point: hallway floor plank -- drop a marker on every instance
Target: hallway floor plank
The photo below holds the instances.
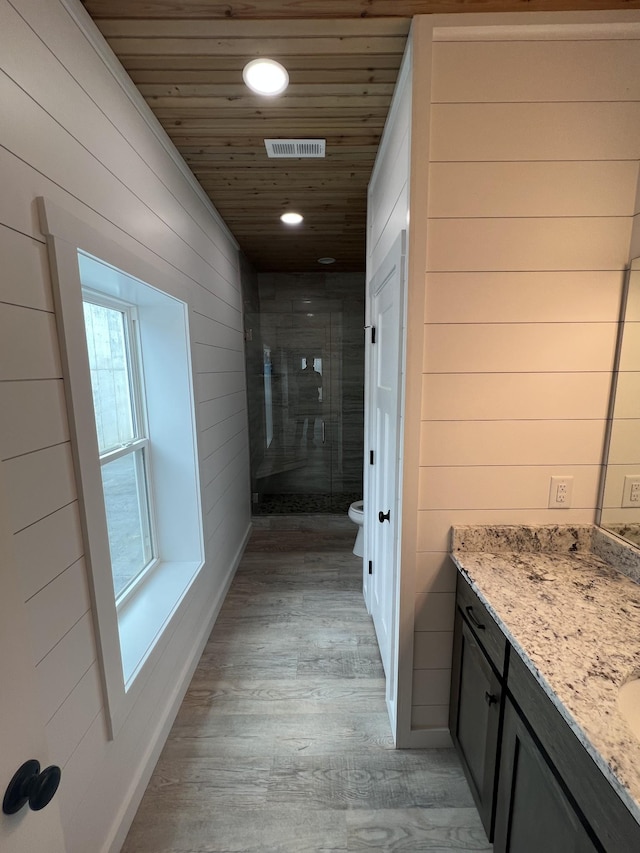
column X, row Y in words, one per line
column 282, row 743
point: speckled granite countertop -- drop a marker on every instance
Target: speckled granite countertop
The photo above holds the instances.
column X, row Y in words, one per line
column 574, row 620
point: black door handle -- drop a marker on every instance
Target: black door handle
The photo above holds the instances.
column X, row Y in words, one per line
column 382, row 517
column 31, row 786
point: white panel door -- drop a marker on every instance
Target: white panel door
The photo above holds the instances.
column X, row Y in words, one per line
column 384, row 424
column 21, row 727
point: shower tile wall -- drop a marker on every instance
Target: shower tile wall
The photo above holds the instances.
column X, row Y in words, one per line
column 253, row 363
column 317, row 317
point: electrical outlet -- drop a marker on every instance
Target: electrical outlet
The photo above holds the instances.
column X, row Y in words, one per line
column 631, row 491
column 560, row 492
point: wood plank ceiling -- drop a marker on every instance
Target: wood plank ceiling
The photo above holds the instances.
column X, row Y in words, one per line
column 186, row 57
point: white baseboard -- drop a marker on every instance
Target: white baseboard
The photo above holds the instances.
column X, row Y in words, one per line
column 124, row 818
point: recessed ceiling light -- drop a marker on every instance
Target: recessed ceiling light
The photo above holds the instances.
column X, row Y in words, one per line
column 291, row 218
column 326, row 260
column 265, row 76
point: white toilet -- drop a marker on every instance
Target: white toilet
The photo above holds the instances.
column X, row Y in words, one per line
column 356, row 514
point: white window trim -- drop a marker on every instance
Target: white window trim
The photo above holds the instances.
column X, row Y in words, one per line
column 126, row 651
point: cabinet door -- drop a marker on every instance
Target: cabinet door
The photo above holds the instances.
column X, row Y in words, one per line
column 533, row 813
column 475, row 717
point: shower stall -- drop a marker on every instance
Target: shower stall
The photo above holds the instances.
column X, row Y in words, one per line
column 305, row 383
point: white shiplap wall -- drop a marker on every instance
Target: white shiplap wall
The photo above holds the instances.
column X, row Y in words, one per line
column 534, row 150
column 69, row 132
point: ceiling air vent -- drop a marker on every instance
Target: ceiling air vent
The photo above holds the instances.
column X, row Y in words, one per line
column 295, row 148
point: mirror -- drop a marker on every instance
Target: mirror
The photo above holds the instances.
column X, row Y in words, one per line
column 620, row 493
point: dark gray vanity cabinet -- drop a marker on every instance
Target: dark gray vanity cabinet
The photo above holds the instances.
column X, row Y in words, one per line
column 536, row 787
column 591, row 813
column 533, row 812
column 477, row 698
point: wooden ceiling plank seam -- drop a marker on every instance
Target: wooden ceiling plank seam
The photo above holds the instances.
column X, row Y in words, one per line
column 291, row 167
column 207, row 169
column 243, row 127
column 216, row 145
column 248, row 102
column 258, row 158
column 280, row 128
column 250, row 48
column 273, row 210
column 335, row 125
column 206, row 164
column 337, row 234
column 261, row 122
column 328, row 237
column 256, row 220
column 337, row 128
column 268, row 251
column 320, row 203
column 333, row 236
column 278, row 197
column 355, row 135
column 233, row 90
column 230, row 77
column 218, row 193
column 276, row 178
column 253, row 220
column 234, row 136
column 228, row 206
column 272, row 239
column 338, row 9
column 316, row 181
column 327, row 245
column 186, row 27
column 328, row 210
column 269, row 171
column 293, row 62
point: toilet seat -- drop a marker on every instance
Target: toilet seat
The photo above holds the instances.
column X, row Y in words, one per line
column 356, row 512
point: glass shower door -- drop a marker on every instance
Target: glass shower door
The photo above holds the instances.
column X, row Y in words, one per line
column 306, row 406
column 296, row 473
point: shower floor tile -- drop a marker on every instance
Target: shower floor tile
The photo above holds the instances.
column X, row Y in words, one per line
column 305, row 503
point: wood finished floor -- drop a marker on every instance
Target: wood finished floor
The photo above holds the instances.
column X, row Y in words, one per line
column 282, row 744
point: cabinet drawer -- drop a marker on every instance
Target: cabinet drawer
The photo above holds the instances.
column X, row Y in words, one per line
column 482, row 624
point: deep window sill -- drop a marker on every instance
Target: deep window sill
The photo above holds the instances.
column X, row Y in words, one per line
column 145, row 615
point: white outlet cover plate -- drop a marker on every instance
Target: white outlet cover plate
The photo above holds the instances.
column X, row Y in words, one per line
column 557, row 482
column 628, row 493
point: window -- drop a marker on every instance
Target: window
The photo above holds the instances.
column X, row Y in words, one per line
column 124, row 335
column 117, row 384
column 141, row 388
